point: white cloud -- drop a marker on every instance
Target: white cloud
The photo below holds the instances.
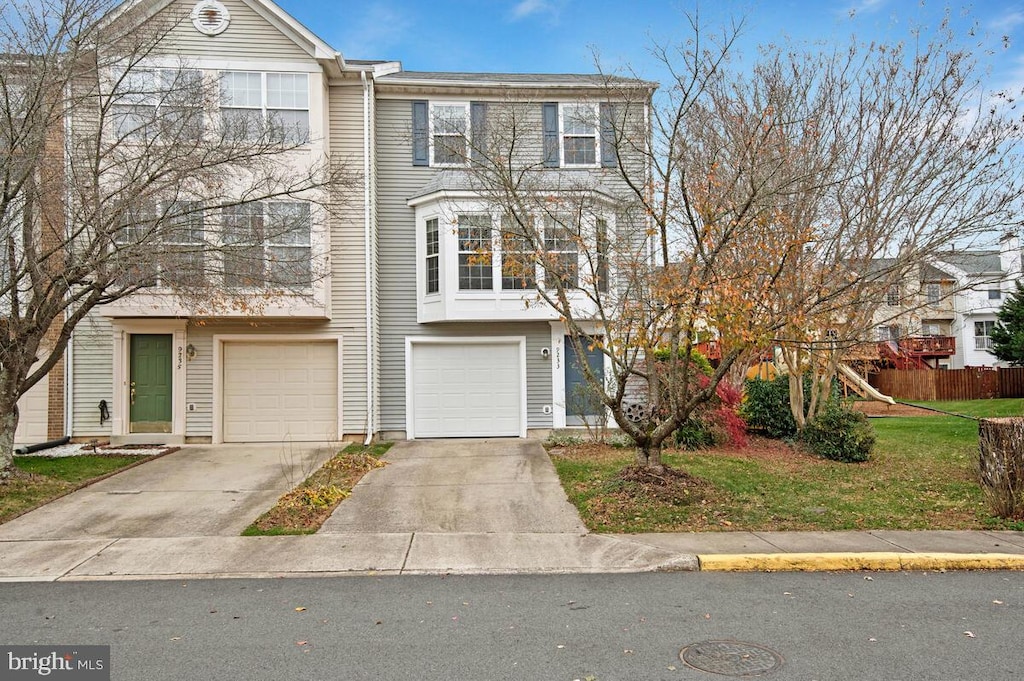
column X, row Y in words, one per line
column 1006, row 22
column 525, row 9
column 377, row 29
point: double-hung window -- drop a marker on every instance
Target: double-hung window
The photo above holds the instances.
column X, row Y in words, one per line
column 518, row 268
column 288, row 242
column 892, row 295
column 934, row 293
column 562, row 257
column 983, row 335
column 184, row 245
column 579, row 134
column 995, row 294
column 433, row 272
column 267, row 242
column 158, row 104
column 449, row 142
column 475, row 253
column 254, row 104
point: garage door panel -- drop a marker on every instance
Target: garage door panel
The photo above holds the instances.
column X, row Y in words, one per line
column 280, row 391
column 466, row 389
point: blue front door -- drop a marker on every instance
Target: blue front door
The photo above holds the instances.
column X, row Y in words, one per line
column 581, row 404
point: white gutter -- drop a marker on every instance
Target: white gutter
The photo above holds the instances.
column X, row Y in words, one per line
column 367, row 259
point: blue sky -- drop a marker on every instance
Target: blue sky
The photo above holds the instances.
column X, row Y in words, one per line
column 561, row 36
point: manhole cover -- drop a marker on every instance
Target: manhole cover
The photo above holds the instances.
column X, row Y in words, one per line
column 731, row 658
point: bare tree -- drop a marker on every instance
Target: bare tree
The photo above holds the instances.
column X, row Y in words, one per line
column 125, row 172
column 753, row 204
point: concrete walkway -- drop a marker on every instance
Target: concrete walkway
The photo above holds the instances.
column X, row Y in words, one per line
column 471, row 511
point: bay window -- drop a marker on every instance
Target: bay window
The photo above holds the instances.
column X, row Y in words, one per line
column 475, row 252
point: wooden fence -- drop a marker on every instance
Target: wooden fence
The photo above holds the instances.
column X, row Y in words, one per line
column 973, row 383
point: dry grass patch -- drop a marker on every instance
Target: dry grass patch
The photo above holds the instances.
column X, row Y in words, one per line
column 304, row 509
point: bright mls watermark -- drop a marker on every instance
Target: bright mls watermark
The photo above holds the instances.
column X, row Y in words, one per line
column 81, row 663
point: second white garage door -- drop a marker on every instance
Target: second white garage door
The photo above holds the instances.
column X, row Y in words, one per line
column 277, row 392
column 466, row 390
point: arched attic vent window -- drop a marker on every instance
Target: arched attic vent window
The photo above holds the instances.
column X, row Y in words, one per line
column 210, row 17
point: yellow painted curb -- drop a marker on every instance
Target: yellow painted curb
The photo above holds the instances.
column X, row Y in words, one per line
column 825, row 562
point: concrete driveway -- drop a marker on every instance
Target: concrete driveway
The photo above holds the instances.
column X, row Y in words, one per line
column 200, row 490
column 459, row 486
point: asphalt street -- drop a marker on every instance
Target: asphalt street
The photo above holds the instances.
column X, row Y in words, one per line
column 909, row 625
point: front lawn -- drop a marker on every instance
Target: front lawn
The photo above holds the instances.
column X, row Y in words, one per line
column 1005, row 406
column 41, row 479
column 921, row 476
column 304, row 509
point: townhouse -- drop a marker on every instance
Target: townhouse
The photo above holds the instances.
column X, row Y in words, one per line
column 418, row 326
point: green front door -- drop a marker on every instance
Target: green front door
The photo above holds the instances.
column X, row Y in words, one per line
column 150, row 388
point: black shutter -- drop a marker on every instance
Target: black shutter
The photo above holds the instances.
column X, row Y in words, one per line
column 550, row 116
column 477, row 130
column 420, row 141
column 609, row 150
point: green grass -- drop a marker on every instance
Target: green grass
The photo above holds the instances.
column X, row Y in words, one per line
column 1005, row 406
column 304, row 509
column 921, row 476
column 53, row 477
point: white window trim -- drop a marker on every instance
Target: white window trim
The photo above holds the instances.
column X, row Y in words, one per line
column 436, row 256
column 430, row 131
column 983, row 342
column 562, row 106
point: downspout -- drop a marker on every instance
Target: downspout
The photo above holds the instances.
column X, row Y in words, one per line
column 367, row 256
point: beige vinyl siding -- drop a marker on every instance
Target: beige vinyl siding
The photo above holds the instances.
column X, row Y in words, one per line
column 92, row 375
column 398, row 179
column 348, row 243
column 248, row 36
column 199, row 383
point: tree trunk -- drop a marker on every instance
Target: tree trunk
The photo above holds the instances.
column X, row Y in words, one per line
column 1001, row 465
column 796, row 399
column 8, row 424
column 649, row 457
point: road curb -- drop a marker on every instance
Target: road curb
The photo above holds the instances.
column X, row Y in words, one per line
column 881, row 561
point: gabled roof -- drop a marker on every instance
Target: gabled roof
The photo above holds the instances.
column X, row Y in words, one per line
column 973, row 262
column 315, row 46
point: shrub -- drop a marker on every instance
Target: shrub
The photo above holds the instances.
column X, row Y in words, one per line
column 840, row 434
column 715, row 423
column 694, row 434
column 621, row 441
column 766, row 408
column 559, row 440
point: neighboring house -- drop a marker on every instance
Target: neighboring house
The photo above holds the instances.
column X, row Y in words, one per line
column 299, row 368
column 942, row 317
column 408, row 335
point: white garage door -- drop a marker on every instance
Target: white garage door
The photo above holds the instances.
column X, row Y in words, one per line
column 466, row 390
column 280, row 392
column 33, row 408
